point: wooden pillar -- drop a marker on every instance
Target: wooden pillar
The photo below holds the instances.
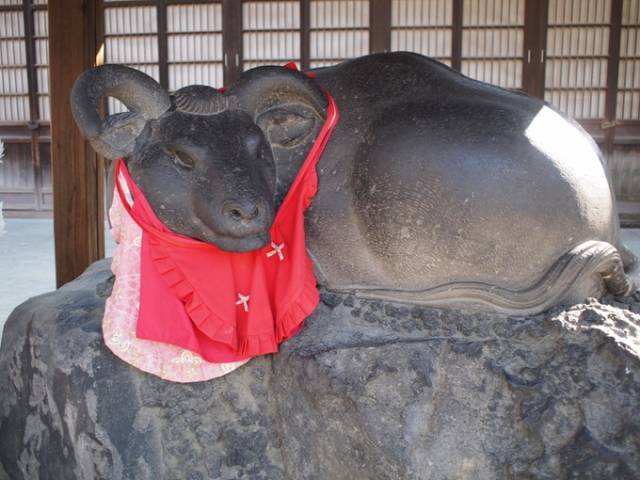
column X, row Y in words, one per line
column 34, row 114
column 536, row 14
column 380, row 26
column 305, row 34
column 232, row 39
column 74, row 29
column 456, row 35
column 163, row 47
column 613, row 66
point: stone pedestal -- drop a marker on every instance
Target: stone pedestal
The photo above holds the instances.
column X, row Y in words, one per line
column 368, row 390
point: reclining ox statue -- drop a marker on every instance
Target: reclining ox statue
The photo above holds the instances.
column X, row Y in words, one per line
column 433, row 189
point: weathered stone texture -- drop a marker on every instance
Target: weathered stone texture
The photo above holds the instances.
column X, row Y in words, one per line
column 368, row 390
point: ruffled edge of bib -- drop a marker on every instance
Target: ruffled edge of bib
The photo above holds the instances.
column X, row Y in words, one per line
column 207, row 321
column 305, row 302
column 287, row 324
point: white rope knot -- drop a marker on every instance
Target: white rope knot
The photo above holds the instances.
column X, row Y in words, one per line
column 244, row 301
column 277, row 250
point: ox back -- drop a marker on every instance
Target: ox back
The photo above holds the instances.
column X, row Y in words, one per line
column 439, row 189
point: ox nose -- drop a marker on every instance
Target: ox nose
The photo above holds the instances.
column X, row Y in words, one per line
column 241, row 211
column 245, row 217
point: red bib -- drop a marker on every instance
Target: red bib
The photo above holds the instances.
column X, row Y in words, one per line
column 228, row 306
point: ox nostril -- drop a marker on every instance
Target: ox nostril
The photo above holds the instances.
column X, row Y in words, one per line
column 235, row 214
column 242, row 212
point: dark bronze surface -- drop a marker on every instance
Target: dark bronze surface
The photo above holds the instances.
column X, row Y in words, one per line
column 434, row 188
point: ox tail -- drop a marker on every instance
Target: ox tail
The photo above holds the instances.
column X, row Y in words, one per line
column 631, row 264
column 614, row 276
column 588, row 270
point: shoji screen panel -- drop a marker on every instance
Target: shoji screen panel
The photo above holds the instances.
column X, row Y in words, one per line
column 194, row 45
column 17, row 181
column 422, row 26
column 270, row 33
column 14, row 94
column 131, row 38
column 41, row 39
column 628, row 106
column 577, row 50
column 339, row 29
column 493, row 41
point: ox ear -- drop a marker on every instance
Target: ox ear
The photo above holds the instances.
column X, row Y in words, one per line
column 287, row 125
column 288, row 106
column 114, row 136
column 118, row 135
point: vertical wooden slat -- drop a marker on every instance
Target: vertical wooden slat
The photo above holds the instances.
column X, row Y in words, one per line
column 534, row 52
column 30, row 57
column 613, row 67
column 232, row 39
column 32, row 82
column 530, row 68
column 78, row 206
column 456, row 35
column 380, row 26
column 305, row 40
column 541, row 57
column 161, row 6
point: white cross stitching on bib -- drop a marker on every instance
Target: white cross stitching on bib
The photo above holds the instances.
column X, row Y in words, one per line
column 277, row 250
column 244, row 301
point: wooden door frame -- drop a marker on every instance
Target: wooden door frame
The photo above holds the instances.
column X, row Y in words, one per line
column 78, row 180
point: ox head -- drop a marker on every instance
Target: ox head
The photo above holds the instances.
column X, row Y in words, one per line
column 211, row 165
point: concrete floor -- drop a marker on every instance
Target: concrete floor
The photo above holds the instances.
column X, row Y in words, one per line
column 631, row 238
column 26, row 262
column 27, row 266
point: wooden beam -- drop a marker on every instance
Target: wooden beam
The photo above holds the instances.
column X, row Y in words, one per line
column 76, row 169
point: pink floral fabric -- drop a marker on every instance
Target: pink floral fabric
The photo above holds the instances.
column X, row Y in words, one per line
column 121, row 313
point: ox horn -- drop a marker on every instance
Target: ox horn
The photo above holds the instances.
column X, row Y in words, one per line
column 114, row 136
column 288, row 106
column 262, row 88
column 202, row 100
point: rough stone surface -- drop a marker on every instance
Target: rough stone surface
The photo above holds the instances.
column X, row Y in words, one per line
column 368, row 390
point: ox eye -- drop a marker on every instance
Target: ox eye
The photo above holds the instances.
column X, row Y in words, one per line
column 253, row 142
column 181, row 159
